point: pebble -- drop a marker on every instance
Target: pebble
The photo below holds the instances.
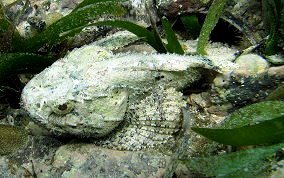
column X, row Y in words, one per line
column 106, row 163
column 251, row 65
column 276, row 59
column 276, row 72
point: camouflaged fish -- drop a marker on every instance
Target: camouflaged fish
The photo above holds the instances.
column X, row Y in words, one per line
column 127, row 101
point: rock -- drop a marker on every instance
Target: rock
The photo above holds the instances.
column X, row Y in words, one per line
column 200, row 99
column 221, row 110
column 276, row 72
column 175, row 7
column 35, row 159
column 251, row 65
column 11, row 170
column 87, row 160
column 277, row 168
column 276, row 59
column 250, row 82
column 32, row 161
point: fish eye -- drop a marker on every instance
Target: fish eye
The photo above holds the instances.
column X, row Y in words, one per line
column 63, row 108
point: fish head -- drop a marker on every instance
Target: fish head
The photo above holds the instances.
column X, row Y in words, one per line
column 65, row 102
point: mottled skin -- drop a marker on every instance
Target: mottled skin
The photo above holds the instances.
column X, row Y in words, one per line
column 131, row 100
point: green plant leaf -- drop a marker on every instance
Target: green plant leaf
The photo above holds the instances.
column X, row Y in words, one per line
column 212, row 17
column 245, row 163
column 173, row 45
column 267, row 126
column 253, row 114
column 13, row 63
column 74, row 20
column 271, row 131
column 150, row 37
column 9, row 37
column 191, row 25
column 11, row 139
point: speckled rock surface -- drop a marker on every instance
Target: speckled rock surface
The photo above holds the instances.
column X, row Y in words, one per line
column 32, row 160
column 278, row 170
column 87, row 160
column 47, row 157
column 8, row 169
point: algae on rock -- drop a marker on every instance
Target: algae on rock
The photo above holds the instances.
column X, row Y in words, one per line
column 11, row 139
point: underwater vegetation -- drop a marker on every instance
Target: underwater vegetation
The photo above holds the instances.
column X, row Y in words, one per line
column 61, row 31
column 212, row 17
column 260, row 123
column 242, row 128
column 244, row 163
column 254, row 125
column 150, row 36
column 14, row 46
column 274, row 24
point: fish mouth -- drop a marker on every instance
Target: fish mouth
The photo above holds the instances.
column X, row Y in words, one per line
column 79, row 126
